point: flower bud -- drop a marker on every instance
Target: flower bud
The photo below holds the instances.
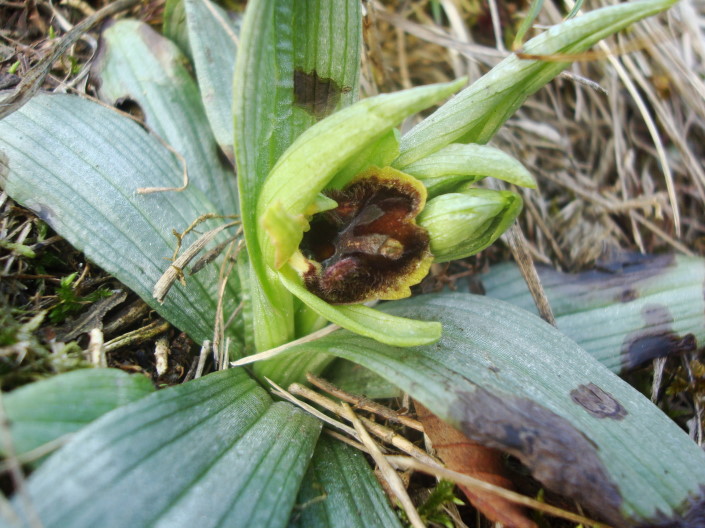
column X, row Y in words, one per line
column 463, row 223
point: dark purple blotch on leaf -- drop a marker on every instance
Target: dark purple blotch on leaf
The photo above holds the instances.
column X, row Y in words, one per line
column 597, row 402
column 317, row 95
column 558, row 455
column 655, row 339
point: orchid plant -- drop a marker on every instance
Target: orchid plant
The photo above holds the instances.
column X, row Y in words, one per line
column 337, row 209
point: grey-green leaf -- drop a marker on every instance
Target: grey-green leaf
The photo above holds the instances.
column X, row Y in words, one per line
column 509, row 380
column 476, row 113
column 626, row 313
column 213, row 452
column 49, row 409
column 357, row 379
column 339, row 490
column 137, row 65
column 78, row 166
column 213, row 40
column 174, row 26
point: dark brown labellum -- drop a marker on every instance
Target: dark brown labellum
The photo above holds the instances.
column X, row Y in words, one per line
column 369, row 247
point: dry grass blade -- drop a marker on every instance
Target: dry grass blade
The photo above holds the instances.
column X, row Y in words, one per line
column 137, row 336
column 655, row 136
column 388, row 472
column 37, row 453
column 273, row 352
column 385, row 434
column 473, row 52
column 219, row 325
column 360, row 402
column 96, row 352
column 282, row 393
column 175, row 270
column 202, row 356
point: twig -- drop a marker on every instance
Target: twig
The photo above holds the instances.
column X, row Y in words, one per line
column 96, row 351
column 137, row 336
column 659, row 365
column 180, row 158
column 184, row 174
column 161, row 355
column 80, row 5
column 235, row 313
column 129, row 315
column 518, row 246
column 222, row 23
column 345, row 439
column 193, row 225
column 212, row 254
column 310, row 409
column 38, row 452
column 175, row 270
column 221, row 353
column 205, row 350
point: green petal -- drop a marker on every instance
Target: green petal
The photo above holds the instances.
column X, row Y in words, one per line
column 365, row 321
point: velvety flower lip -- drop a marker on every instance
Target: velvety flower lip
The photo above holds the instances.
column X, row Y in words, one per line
column 369, row 246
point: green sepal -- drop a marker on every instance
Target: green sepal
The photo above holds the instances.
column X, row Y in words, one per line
column 297, row 62
column 444, row 170
column 365, row 321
